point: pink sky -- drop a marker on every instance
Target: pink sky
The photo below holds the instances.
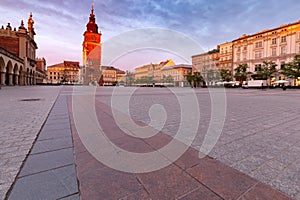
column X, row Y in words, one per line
column 60, row 24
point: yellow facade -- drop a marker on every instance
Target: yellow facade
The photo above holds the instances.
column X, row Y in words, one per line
column 226, row 58
column 152, row 70
column 66, row 72
column 178, row 74
column 144, row 71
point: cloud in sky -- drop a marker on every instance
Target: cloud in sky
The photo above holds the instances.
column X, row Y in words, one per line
column 60, row 24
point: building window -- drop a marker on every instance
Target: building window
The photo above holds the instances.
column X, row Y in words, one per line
column 245, row 56
column 258, row 54
column 245, row 48
column 238, row 57
column 274, row 52
column 54, row 73
column 239, row 49
column 50, row 77
column 283, row 39
column 257, row 67
column 50, row 73
column 283, row 50
column 282, row 65
column 258, row 44
column 274, row 40
column 54, row 77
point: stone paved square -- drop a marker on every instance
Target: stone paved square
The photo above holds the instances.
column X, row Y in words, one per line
column 21, row 120
column 260, row 136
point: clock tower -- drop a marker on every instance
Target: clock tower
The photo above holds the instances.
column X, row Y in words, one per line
column 91, row 54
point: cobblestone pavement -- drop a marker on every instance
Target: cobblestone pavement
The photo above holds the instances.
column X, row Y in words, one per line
column 261, row 134
column 23, row 111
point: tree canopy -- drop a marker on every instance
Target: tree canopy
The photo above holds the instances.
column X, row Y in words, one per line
column 241, row 72
column 267, row 69
column 194, row 79
column 225, row 75
column 292, row 69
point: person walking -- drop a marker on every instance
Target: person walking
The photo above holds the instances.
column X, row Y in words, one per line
column 283, row 87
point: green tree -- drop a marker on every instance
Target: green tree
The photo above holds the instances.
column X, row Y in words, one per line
column 225, row 75
column 197, row 79
column 190, row 78
column 267, row 69
column 241, row 73
column 292, row 69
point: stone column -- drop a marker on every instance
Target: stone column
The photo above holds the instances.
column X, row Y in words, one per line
column 10, row 79
column 17, row 79
column 34, row 80
column 21, row 79
column 26, row 79
column 2, row 78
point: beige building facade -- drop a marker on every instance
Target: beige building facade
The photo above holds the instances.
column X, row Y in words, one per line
column 144, row 71
column 66, row 72
column 178, row 74
column 208, row 65
column 111, row 76
column 163, row 73
column 279, row 45
column 152, row 70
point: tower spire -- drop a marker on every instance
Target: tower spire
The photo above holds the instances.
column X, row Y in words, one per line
column 30, row 23
column 92, row 26
column 92, row 8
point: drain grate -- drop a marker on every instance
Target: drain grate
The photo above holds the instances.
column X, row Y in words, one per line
column 30, row 99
